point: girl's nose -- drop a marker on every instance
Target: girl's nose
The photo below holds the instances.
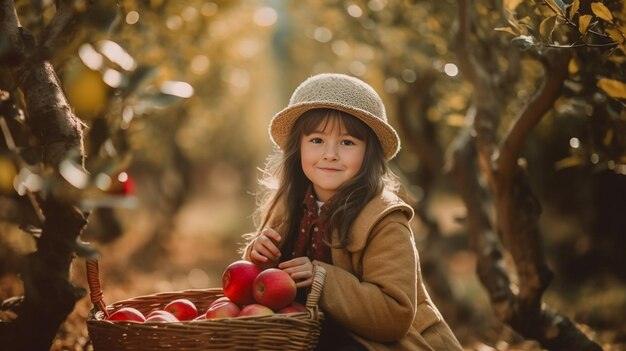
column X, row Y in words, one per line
column 330, row 154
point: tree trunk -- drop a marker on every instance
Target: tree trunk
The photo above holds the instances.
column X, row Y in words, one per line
column 516, row 210
column 49, row 295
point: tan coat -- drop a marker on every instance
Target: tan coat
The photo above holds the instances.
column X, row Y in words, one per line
column 374, row 286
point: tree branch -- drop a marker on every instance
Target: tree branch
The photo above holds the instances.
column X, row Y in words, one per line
column 61, row 28
column 515, row 137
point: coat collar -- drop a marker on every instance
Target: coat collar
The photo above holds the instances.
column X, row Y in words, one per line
column 381, row 205
column 377, row 208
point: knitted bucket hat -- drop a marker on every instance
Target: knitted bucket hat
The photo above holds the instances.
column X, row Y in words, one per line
column 343, row 93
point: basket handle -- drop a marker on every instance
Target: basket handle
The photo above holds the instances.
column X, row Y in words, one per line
column 93, row 280
column 316, row 289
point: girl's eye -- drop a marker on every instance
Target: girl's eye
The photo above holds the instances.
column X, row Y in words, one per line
column 347, row 142
column 316, row 140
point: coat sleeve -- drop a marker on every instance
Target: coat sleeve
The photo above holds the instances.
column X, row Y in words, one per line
column 381, row 305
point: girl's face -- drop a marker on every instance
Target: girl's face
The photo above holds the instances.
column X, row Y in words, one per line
column 330, row 157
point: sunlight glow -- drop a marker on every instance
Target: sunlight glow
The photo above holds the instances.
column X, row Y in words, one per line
column 200, row 64
column 127, row 115
column 451, row 69
column 574, row 143
column 340, row 47
column 409, row 75
column 122, row 177
column 189, row 13
column 354, row 10
column 239, row 79
column 208, row 9
column 103, row 181
column 322, row 34
column 377, row 5
column 73, row 174
column 177, row 88
column 27, row 181
column 357, row 68
column 112, row 77
column 391, row 85
column 265, row 16
column 132, row 17
column 174, row 22
column 90, row 57
column 114, row 52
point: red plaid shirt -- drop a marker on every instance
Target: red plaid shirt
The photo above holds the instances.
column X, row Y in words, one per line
column 313, row 230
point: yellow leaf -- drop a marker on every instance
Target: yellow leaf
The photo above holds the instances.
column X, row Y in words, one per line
column 601, row 11
column 613, row 88
column 511, row 5
column 506, row 30
column 552, row 4
column 547, row 27
column 573, row 67
column 583, row 23
column 608, row 137
column 616, row 35
column 7, row 174
column 526, row 20
column 568, row 162
column 619, row 59
column 455, row 120
column 574, row 9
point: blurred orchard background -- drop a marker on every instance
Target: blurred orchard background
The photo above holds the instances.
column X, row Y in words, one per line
column 132, row 132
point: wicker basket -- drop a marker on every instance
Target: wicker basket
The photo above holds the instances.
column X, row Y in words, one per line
column 294, row 331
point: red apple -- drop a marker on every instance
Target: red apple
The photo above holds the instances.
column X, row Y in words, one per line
column 219, row 300
column 274, row 288
column 162, row 312
column 182, row 309
column 237, row 281
column 128, row 314
column 201, row 317
column 222, row 310
column 162, row 317
column 255, row 309
column 293, row 307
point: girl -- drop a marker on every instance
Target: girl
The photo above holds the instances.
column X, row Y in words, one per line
column 331, row 202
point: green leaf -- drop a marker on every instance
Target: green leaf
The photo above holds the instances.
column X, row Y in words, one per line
column 523, row 41
column 85, row 250
column 138, row 78
column 157, row 100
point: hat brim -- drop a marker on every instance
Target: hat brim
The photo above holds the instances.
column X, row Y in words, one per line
column 283, row 122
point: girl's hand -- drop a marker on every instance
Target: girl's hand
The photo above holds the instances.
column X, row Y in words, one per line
column 300, row 269
column 264, row 249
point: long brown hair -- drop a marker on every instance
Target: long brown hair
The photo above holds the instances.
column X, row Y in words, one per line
column 285, row 181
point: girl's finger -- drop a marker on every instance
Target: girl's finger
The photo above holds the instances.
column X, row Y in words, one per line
column 271, row 234
column 256, row 256
column 269, row 245
column 304, row 283
column 300, row 275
